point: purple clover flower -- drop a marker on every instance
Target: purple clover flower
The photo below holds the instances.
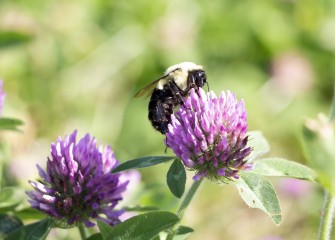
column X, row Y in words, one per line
column 2, row 97
column 77, row 185
column 209, row 134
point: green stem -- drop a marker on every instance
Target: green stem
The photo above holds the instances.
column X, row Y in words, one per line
column 183, row 206
column 327, row 216
column 82, row 231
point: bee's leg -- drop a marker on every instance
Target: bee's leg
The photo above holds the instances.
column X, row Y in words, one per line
column 207, row 86
column 166, row 147
column 176, row 92
column 177, row 95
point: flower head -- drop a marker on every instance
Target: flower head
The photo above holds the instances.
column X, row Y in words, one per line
column 2, row 97
column 209, row 134
column 77, row 185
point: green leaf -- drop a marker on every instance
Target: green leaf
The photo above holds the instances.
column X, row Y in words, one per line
column 141, row 209
column 183, row 232
column 142, row 227
column 30, row 213
column 96, row 236
column 17, row 235
column 38, row 230
column 9, row 224
column 259, row 193
column 104, row 228
column 142, row 162
column 35, row 231
column 176, row 178
column 10, row 197
column 259, row 145
column 11, row 38
column 10, row 124
column 279, row 167
column 156, row 238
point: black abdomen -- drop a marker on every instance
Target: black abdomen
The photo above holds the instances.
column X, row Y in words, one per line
column 161, row 107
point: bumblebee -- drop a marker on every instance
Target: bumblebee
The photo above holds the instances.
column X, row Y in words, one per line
column 168, row 91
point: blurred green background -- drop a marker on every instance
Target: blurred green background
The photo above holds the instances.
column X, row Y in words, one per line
column 76, row 65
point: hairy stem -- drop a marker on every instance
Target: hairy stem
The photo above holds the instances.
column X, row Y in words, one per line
column 82, row 231
column 327, row 216
column 183, row 206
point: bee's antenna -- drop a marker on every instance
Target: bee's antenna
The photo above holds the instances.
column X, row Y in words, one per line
column 207, row 86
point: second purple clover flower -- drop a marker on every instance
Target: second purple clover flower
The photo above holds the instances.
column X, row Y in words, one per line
column 78, row 185
column 209, row 134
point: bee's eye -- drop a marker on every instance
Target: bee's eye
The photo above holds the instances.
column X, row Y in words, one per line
column 200, row 78
column 200, row 74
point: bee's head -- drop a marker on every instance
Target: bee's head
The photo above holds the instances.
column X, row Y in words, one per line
column 200, row 78
column 197, row 78
column 187, row 75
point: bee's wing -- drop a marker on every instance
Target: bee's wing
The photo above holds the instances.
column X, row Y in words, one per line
column 147, row 90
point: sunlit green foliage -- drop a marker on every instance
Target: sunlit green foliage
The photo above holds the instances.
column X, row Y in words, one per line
column 77, row 64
